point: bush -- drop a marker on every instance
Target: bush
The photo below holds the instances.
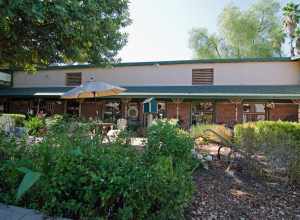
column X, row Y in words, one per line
column 54, row 120
column 35, row 125
column 83, row 178
column 202, row 131
column 18, row 118
column 278, row 141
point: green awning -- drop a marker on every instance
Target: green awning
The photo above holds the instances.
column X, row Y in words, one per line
column 193, row 92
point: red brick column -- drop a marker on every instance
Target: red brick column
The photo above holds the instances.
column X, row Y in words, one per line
column 184, row 112
column 226, row 113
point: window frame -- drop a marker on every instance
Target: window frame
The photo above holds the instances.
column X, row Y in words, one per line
column 204, row 112
column 253, row 114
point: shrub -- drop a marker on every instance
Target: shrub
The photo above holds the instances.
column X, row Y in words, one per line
column 83, row 178
column 54, row 120
column 166, row 139
column 278, row 141
column 35, row 125
column 202, row 131
column 18, row 118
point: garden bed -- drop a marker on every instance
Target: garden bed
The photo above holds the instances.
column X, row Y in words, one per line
column 244, row 196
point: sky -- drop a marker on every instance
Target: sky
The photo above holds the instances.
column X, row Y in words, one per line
column 160, row 28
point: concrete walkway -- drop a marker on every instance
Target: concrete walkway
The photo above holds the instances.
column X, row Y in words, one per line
column 17, row 213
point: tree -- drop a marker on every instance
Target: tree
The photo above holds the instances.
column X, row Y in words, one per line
column 291, row 17
column 255, row 32
column 36, row 33
column 204, row 44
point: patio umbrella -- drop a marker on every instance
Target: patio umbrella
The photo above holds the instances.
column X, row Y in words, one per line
column 92, row 90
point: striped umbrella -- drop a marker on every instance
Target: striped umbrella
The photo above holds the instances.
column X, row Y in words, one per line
column 93, row 90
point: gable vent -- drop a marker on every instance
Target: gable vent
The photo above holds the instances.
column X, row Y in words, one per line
column 73, row 79
column 203, row 76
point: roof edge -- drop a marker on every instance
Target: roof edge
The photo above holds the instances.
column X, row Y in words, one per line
column 176, row 62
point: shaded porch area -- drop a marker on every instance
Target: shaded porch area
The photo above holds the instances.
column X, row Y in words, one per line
column 188, row 104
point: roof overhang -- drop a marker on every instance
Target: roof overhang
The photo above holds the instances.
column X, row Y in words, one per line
column 260, row 92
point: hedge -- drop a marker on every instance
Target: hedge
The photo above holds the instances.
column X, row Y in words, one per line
column 278, row 140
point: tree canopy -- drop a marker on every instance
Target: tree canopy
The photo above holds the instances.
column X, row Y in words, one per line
column 36, row 33
column 255, row 32
column 291, row 16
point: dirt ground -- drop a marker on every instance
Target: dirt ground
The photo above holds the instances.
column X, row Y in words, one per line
column 241, row 196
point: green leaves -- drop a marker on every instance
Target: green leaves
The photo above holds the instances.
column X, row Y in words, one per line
column 76, row 177
column 255, row 32
column 28, row 180
column 35, row 34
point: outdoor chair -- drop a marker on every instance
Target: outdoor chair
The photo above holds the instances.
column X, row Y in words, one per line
column 113, row 134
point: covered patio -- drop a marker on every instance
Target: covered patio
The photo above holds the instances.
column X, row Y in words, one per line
column 189, row 104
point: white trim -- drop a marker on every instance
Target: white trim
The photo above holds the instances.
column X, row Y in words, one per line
column 209, row 94
column 181, row 94
column 48, row 94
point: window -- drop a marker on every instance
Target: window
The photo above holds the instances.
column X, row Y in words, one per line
column 254, row 112
column 73, row 79
column 112, row 111
column 202, row 113
column 161, row 110
column 203, row 76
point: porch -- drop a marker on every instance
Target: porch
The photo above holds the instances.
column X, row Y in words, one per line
column 189, row 104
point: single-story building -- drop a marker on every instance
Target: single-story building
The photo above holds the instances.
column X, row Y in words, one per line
column 225, row 91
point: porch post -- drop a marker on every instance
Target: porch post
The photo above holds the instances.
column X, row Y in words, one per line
column 65, row 106
column 237, row 102
column 38, row 106
column 125, row 106
column 297, row 101
column 177, row 102
column 268, row 111
column 79, row 108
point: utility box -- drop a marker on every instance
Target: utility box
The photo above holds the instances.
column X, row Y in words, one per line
column 150, row 105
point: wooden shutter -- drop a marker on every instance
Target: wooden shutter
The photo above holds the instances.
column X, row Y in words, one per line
column 203, row 76
column 73, row 79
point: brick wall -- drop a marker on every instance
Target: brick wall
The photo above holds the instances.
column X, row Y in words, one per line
column 184, row 113
column 284, row 112
column 89, row 109
column 225, row 113
column 59, row 108
column 19, row 106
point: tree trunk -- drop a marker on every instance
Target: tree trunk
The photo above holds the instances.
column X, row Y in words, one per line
column 292, row 48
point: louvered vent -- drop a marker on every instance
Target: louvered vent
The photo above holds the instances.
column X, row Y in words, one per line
column 203, row 76
column 73, row 79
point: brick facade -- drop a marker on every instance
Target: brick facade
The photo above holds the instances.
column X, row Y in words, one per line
column 19, row 106
column 225, row 113
column 284, row 112
column 54, row 107
column 184, row 113
column 89, row 109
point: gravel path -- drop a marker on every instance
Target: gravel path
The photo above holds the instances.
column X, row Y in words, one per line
column 221, row 196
